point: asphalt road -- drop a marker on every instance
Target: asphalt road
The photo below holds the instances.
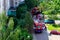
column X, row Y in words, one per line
column 41, row 36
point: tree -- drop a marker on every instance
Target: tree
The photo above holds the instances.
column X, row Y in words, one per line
column 29, row 21
column 51, row 6
column 20, row 11
column 24, row 17
column 31, row 3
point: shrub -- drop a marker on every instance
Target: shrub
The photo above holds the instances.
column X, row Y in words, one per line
column 20, row 11
column 3, row 20
column 11, row 24
column 24, row 17
column 29, row 21
column 25, row 21
column 9, row 29
column 14, row 35
column 19, row 34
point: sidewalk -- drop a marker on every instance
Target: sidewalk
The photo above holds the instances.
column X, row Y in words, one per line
column 54, row 37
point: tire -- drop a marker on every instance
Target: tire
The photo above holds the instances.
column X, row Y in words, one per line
column 38, row 32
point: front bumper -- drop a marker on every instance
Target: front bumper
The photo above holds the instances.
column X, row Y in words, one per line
column 38, row 30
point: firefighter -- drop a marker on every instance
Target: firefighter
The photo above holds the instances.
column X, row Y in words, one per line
column 35, row 11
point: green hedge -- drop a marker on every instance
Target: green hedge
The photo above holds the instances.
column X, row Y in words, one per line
column 8, row 32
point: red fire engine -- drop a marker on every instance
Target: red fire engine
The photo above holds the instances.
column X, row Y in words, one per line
column 38, row 19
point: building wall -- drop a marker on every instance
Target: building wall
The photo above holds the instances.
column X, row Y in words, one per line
column 6, row 4
column 16, row 3
column 1, row 6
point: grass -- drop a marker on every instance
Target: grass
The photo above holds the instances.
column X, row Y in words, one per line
column 51, row 27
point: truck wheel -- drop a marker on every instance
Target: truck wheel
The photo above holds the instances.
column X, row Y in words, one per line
column 38, row 32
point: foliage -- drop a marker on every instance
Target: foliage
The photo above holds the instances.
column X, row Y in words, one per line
column 5, row 32
column 14, row 35
column 18, row 33
column 9, row 28
column 3, row 19
column 29, row 21
column 52, row 17
column 50, row 6
column 22, row 23
column 20, row 11
column 25, row 20
column 11, row 24
column 31, row 3
column 52, row 27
